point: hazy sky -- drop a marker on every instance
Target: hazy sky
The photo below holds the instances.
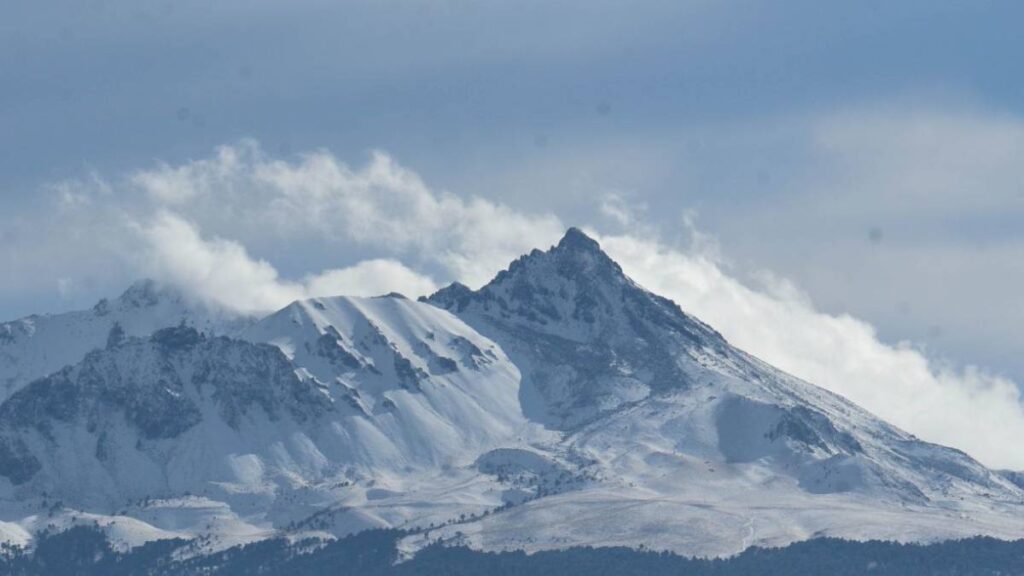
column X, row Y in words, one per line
column 872, row 153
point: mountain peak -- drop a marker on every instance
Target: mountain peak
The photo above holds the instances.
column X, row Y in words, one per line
column 576, row 256
column 574, row 290
column 603, row 341
column 576, row 239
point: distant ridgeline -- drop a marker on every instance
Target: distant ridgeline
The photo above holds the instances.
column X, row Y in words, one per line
column 84, row 551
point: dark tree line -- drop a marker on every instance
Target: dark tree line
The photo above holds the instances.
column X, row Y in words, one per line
column 84, row 551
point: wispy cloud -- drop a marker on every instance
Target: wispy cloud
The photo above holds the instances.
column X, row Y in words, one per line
column 966, row 408
column 381, row 206
column 222, row 272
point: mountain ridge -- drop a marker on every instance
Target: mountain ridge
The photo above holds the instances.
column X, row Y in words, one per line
column 39, row 344
column 559, row 405
column 584, row 309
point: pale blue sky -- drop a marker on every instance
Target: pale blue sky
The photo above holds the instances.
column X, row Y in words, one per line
column 869, row 151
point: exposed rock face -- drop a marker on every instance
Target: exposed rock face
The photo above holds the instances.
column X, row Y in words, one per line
column 37, row 346
column 349, row 389
column 588, row 339
column 145, row 393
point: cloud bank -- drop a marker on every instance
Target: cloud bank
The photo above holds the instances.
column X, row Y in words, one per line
column 380, row 206
column 222, row 272
column 193, row 225
column 968, row 409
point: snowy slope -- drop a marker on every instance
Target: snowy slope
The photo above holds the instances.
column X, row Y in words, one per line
column 433, row 388
column 713, row 469
column 692, row 444
column 152, row 417
column 188, row 434
column 39, row 345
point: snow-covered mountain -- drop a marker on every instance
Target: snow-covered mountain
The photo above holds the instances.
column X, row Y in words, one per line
column 588, row 339
column 698, row 446
column 154, row 412
column 38, row 345
column 561, row 404
column 355, row 402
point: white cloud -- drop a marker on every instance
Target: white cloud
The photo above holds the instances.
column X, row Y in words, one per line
column 175, row 185
column 199, row 224
column 371, row 278
column 222, row 272
column 214, row 270
column 967, row 409
column 380, row 205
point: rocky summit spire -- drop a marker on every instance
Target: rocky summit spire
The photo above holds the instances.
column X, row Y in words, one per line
column 577, row 246
column 575, row 239
column 601, row 341
column 576, row 257
column 575, row 269
column 573, row 289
